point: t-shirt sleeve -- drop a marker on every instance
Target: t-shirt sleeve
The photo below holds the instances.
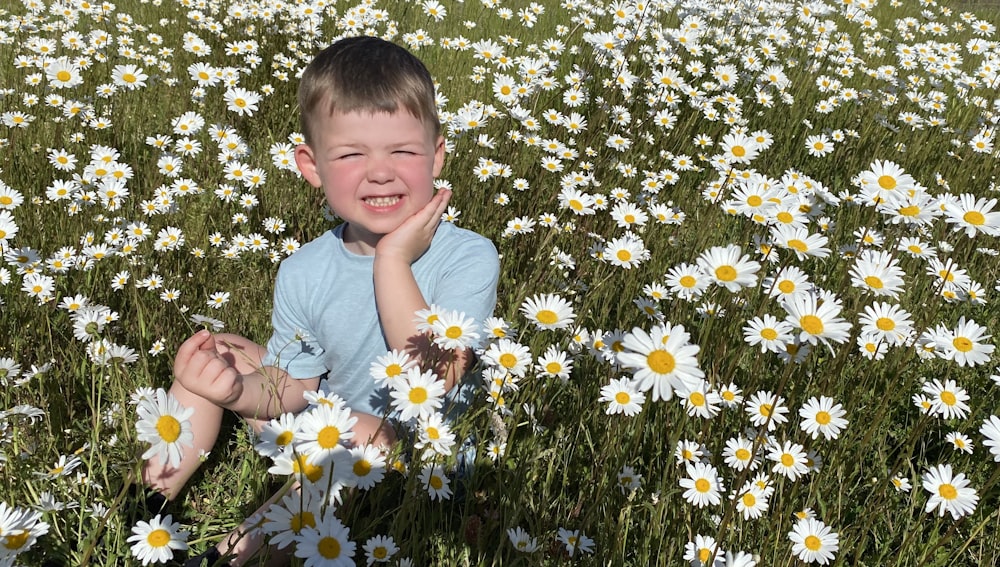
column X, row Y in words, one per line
column 291, row 348
column 469, row 281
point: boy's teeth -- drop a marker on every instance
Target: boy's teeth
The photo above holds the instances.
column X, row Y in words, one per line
column 381, row 201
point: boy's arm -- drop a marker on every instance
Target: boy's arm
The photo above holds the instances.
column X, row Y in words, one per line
column 397, row 296
column 262, row 394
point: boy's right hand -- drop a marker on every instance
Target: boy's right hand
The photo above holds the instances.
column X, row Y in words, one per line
column 200, row 368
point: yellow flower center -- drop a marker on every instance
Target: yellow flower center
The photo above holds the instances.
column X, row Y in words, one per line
column 158, row 538
column 887, row 182
column 329, row 547
column 910, row 211
column 798, row 245
column 725, row 273
column 64, row 76
column 948, row 398
column 765, row 410
column 284, row 438
column 301, row 520
column 418, row 395
column 453, row 332
column 749, row 500
column 739, row 151
column 623, row 398
column 688, row 281
column 974, row 218
column 769, row 334
column 787, row 460
column 329, row 436
column 508, row 360
column 661, row 361
column 362, row 467
column 962, row 344
column 436, row 482
column 823, row 417
column 393, row 370
column 624, row 255
column 785, row 217
column 811, row 324
column 786, row 286
column 702, row 485
column 743, row 454
column 168, row 428
column 812, row 543
column 948, row 492
column 553, row 368
column 874, row 282
column 885, row 324
column 547, row 317
column 697, row 399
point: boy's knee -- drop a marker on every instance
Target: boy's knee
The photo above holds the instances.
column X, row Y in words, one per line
column 372, row 430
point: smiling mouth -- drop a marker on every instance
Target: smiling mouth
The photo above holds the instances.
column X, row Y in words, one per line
column 382, row 201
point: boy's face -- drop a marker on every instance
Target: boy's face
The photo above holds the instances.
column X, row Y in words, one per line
column 376, row 169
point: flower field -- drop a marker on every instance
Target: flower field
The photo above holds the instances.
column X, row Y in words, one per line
column 747, row 311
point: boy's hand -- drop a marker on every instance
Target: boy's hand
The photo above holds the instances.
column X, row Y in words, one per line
column 200, row 368
column 413, row 237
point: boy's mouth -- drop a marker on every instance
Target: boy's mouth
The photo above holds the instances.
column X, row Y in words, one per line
column 382, row 201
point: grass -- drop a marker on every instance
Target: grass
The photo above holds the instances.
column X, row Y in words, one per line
column 563, row 452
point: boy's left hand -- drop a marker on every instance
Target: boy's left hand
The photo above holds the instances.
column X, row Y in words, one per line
column 413, row 237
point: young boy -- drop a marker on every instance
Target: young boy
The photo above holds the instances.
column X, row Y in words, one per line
column 373, row 145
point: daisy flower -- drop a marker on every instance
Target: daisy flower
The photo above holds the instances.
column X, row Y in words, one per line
column 968, row 344
column 960, row 442
column 819, row 322
column 164, row 423
column 888, row 322
column 662, row 360
column 379, row 549
column 548, row 311
column 453, row 331
column 277, row 435
column 368, row 466
column 626, row 252
column 702, row 485
column 687, row 281
column 739, row 454
column 284, row 521
column 575, row 541
column 20, row 528
column 877, row 273
column 418, row 394
column 948, row 400
column 554, row 363
column 728, row 267
column 522, row 540
column 323, row 429
column 155, row 541
column 766, row 408
column 731, row 395
column 508, row 355
column 822, row 416
column 622, row 396
column 704, row 550
column 901, row 483
column 390, row 366
column 700, row 401
column 327, row 544
column 752, row 502
column 973, row 215
column 768, row 333
column 991, row 435
column 434, row 433
column 789, row 460
column 813, row 541
column 884, row 180
column 432, row 477
column 949, row 493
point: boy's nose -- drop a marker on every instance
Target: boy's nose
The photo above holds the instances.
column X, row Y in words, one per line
column 380, row 170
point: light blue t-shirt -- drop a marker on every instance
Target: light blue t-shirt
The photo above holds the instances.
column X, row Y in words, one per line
column 326, row 323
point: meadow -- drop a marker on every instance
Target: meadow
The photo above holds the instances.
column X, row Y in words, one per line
column 747, row 312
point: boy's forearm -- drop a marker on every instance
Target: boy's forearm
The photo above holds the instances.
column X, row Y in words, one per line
column 270, row 392
column 398, row 298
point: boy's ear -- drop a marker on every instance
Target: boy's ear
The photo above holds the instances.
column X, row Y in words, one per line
column 306, row 161
column 438, row 156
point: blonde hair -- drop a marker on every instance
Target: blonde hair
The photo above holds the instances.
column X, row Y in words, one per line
column 366, row 74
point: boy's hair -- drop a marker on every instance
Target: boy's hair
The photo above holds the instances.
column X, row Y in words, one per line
column 366, row 74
